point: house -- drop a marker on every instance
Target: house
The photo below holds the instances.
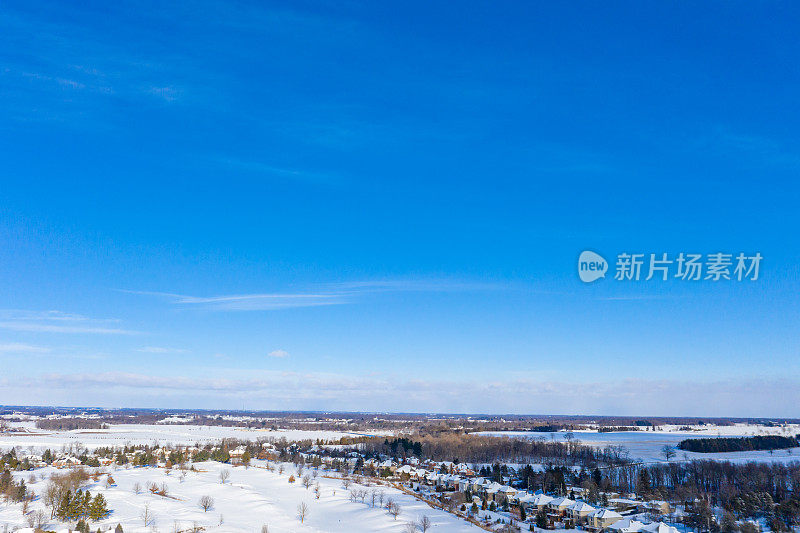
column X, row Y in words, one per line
column 623, row 505
column 237, row 453
column 391, row 465
column 66, row 462
column 578, row 492
column 658, row 527
column 490, row 491
column 451, row 481
column 576, row 514
column 559, row 505
column 626, row 525
column 478, row 484
column 601, row 519
column 34, row 460
column 413, row 474
column 506, row 492
column 657, row 507
column 557, row 510
column 523, row 500
column 464, row 470
column 538, row 504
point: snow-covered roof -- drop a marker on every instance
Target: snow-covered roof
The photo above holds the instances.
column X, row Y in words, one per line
column 581, row 507
column 659, row 527
column 561, row 502
column 606, row 514
column 626, row 525
column 542, row 499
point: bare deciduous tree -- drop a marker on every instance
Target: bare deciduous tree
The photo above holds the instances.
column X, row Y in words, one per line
column 302, row 512
column 394, row 510
column 206, row 503
column 425, row 523
column 224, row 475
column 307, row 481
column 37, row 519
column 668, row 452
column 137, row 488
column 147, row 516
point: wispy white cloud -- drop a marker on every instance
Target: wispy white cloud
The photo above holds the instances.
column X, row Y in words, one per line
column 278, row 172
column 278, row 353
column 20, row 348
column 325, row 294
column 55, row 328
column 168, row 94
column 161, row 349
column 58, row 322
column 733, row 397
column 249, row 302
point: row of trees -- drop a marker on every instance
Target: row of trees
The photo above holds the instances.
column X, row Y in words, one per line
column 15, row 491
column 68, row 424
column 81, row 505
column 459, row 447
column 738, row 444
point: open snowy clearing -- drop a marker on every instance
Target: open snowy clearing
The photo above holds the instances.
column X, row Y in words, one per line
column 250, row 498
column 139, row 434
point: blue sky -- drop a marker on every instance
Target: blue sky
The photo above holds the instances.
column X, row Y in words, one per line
column 367, row 206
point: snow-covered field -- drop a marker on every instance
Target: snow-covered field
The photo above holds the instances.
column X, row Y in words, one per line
column 646, row 445
column 250, row 498
column 122, row 434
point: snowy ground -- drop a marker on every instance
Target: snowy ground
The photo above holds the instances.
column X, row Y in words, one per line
column 122, row 434
column 646, row 445
column 249, row 499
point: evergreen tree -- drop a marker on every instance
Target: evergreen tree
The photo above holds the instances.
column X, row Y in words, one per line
column 643, row 482
column 85, row 505
column 98, row 508
column 597, row 477
column 541, row 520
column 62, row 512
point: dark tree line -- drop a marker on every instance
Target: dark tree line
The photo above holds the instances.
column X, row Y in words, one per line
column 489, row 449
column 68, row 424
column 738, row 444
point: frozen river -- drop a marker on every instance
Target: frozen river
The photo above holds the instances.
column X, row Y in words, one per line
column 647, row 445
